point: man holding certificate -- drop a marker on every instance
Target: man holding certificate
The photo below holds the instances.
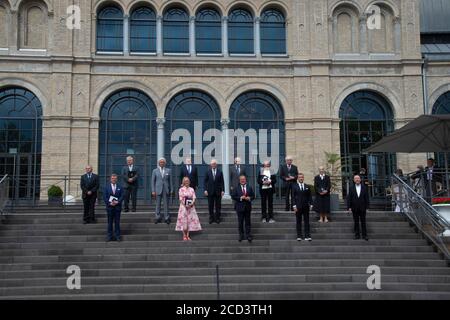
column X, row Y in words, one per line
column 113, row 197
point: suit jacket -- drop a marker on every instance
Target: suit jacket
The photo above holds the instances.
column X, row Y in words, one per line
column 214, row 187
column 161, row 184
column 234, row 175
column 273, row 178
column 87, row 184
column 236, row 194
column 322, row 184
column 193, row 176
column 285, row 173
column 358, row 203
column 108, row 192
column 125, row 178
column 302, row 199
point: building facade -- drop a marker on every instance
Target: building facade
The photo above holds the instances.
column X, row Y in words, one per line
column 133, row 72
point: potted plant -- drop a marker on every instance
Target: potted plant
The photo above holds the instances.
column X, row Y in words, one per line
column 55, row 196
column 442, row 205
column 333, row 169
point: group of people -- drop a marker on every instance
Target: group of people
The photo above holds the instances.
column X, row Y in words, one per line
column 299, row 197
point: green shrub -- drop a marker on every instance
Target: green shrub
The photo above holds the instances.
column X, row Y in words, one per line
column 55, row 191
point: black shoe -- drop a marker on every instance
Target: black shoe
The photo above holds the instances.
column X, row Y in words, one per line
column 119, row 239
column 126, row 210
column 357, row 236
column 218, row 220
column 211, row 220
column 250, row 239
column 133, row 210
column 158, row 221
column 167, row 221
column 366, row 238
column 241, row 238
column 287, row 209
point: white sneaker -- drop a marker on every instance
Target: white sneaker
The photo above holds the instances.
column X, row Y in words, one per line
column 271, row 221
column 299, row 239
column 308, row 239
column 263, row 220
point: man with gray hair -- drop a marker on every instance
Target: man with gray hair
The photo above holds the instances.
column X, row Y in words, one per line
column 236, row 171
column 161, row 185
column 289, row 174
column 130, row 178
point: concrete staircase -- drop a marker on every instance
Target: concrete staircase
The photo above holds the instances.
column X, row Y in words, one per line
column 38, row 244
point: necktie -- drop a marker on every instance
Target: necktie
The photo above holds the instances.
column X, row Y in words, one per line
column 238, row 170
column 89, row 176
column 214, row 174
column 244, row 191
column 303, row 188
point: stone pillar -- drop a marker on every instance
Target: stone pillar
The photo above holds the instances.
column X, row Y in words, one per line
column 126, row 34
column 159, row 36
column 192, row 36
column 363, row 43
column 13, row 33
column 258, row 36
column 397, row 35
column 225, row 36
column 225, row 157
column 160, row 137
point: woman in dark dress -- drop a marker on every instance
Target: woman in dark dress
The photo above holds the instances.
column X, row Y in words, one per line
column 322, row 186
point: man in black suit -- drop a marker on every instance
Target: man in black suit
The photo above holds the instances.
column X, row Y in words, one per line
column 214, row 186
column 130, row 178
column 236, row 171
column 357, row 204
column 289, row 174
column 190, row 171
column 89, row 184
column 243, row 195
column 302, row 204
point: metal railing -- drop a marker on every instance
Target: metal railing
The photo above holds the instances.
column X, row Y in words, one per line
column 421, row 214
column 420, row 182
column 4, row 194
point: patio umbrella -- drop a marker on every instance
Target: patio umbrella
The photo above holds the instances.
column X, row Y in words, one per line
column 427, row 133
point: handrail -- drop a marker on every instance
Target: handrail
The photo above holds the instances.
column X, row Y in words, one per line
column 426, row 218
column 4, row 194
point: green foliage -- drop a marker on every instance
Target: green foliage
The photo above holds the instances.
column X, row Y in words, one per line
column 333, row 169
column 55, row 191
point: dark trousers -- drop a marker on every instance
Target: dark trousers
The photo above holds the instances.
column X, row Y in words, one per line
column 359, row 216
column 303, row 214
column 214, row 202
column 130, row 191
column 89, row 207
column 245, row 224
column 289, row 196
column 267, row 203
column 113, row 219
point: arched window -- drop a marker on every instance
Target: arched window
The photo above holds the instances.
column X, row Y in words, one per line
column 21, row 141
column 176, row 31
column 3, row 27
column 273, row 32
column 195, row 112
column 208, row 31
column 366, row 117
column 128, row 127
column 110, row 29
column 33, row 25
column 241, row 32
column 143, row 30
column 257, row 110
column 442, row 105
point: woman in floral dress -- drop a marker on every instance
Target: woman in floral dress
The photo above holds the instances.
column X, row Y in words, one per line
column 187, row 220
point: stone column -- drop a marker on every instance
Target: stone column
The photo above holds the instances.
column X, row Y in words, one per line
column 192, row 36
column 397, row 35
column 160, row 137
column 225, row 36
column 159, row 36
column 226, row 157
column 363, row 43
column 126, row 34
column 258, row 36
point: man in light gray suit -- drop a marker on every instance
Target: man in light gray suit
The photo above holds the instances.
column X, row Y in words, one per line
column 161, row 189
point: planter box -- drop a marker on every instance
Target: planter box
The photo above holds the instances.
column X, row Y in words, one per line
column 55, row 201
column 334, row 202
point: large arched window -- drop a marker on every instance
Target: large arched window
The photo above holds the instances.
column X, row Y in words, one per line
column 208, row 32
column 110, row 29
column 241, row 32
column 193, row 112
column 128, row 127
column 176, row 31
column 366, row 117
column 143, row 30
column 257, row 110
column 21, row 141
column 273, row 32
column 442, row 106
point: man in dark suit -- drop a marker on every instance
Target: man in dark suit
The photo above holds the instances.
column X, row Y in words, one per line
column 214, row 186
column 190, row 171
column 243, row 195
column 236, row 171
column 113, row 197
column 432, row 176
column 89, row 184
column 289, row 173
column 130, row 178
column 357, row 204
column 302, row 204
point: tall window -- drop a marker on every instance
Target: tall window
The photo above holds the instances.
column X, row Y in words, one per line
column 128, row 127
column 273, row 32
column 143, row 30
column 208, row 31
column 366, row 117
column 442, row 106
column 176, row 31
column 21, row 141
column 241, row 32
column 110, row 30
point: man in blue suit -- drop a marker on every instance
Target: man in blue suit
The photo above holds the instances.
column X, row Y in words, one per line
column 113, row 196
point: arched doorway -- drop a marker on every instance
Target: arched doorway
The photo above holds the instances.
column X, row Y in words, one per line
column 442, row 106
column 258, row 110
column 192, row 112
column 366, row 117
column 128, row 127
column 21, row 141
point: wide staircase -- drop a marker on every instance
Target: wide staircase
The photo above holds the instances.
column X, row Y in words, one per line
column 37, row 245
